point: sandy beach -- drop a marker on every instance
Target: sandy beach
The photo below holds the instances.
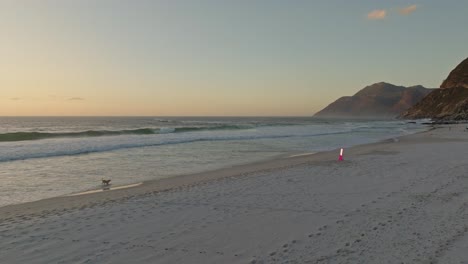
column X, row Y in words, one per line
column 399, row 201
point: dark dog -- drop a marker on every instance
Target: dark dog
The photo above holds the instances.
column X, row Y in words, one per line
column 106, row 182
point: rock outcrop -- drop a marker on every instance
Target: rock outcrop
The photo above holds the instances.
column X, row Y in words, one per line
column 379, row 100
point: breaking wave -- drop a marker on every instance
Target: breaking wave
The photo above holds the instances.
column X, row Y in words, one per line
column 23, row 136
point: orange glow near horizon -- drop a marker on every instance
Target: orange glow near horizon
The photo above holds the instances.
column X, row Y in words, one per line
column 168, row 58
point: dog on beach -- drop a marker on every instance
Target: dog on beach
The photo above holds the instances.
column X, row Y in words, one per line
column 105, row 182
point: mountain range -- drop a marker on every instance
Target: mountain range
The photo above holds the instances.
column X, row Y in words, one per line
column 379, row 100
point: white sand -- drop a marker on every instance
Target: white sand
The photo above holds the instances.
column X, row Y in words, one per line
column 402, row 201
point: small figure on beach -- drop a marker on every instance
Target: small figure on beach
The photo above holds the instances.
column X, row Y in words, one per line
column 105, row 182
column 340, row 158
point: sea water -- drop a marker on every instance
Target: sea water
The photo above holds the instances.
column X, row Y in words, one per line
column 42, row 157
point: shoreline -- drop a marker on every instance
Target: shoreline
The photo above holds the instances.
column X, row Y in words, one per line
column 396, row 201
column 97, row 196
column 105, row 189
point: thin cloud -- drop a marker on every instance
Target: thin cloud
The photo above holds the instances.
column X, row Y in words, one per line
column 15, row 99
column 408, row 10
column 76, row 99
column 377, row 14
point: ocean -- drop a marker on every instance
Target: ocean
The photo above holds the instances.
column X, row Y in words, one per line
column 43, row 157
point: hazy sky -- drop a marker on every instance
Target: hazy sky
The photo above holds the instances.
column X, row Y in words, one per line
column 240, row 57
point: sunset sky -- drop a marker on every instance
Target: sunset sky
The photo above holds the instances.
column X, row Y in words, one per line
column 200, row 57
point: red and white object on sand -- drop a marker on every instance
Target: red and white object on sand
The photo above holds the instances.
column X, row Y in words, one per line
column 341, row 155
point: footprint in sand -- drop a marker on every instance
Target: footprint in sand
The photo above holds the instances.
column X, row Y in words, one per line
column 323, row 227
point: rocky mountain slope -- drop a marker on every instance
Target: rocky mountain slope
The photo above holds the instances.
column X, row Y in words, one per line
column 458, row 77
column 450, row 102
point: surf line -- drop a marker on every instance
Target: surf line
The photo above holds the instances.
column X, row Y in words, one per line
column 107, row 189
column 303, row 154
